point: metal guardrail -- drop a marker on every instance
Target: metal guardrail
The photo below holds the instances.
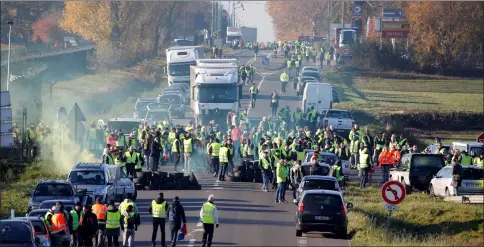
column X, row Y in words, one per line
column 44, row 50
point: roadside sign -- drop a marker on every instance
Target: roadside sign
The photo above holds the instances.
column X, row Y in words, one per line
column 480, row 138
column 265, row 60
column 4, row 99
column 76, row 114
column 394, row 34
column 391, row 207
column 395, row 29
column 393, row 192
column 6, row 114
column 6, row 127
column 358, row 8
column 61, row 114
column 393, row 13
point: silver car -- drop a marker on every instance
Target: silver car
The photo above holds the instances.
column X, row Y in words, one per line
column 472, row 182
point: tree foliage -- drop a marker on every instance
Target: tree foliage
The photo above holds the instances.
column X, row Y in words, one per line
column 446, row 35
column 46, row 29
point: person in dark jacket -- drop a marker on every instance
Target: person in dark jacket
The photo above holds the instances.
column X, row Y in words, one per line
column 88, row 226
column 176, row 215
column 155, row 154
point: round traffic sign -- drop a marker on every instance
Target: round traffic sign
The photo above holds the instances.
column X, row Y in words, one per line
column 357, row 9
column 393, row 192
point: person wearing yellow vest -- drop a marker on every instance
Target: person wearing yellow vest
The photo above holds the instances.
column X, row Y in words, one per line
column 120, row 140
column 364, row 165
column 158, row 210
column 210, row 220
column 274, row 103
column 130, row 225
column 253, row 91
column 295, row 176
column 354, row 148
column 466, row 159
column 108, row 157
column 176, row 150
column 289, row 65
column 188, row 150
column 284, row 79
column 214, row 151
column 338, row 173
column 92, row 137
column 281, row 174
column 99, row 209
column 75, row 215
column 479, row 161
column 297, row 64
column 223, row 157
column 113, row 224
column 265, row 163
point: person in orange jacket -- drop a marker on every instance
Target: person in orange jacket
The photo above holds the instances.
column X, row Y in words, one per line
column 385, row 161
column 396, row 155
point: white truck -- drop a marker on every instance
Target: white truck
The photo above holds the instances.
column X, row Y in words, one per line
column 214, row 91
column 341, row 120
column 179, row 59
column 246, row 34
column 319, row 95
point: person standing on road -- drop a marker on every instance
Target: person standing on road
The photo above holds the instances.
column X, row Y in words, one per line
column 156, row 150
column 158, row 210
column 296, row 178
column 88, row 226
column 176, row 215
column 281, row 173
column 209, row 216
column 188, row 150
column 224, row 161
column 254, row 91
column 129, row 226
column 75, row 216
column 214, row 151
column 175, row 150
column 284, row 79
column 99, row 209
column 274, row 103
column 384, row 162
column 266, row 167
column 113, row 224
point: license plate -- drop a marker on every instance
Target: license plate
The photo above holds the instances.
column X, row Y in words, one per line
column 322, row 218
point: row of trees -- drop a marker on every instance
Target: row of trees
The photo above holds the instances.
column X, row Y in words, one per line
column 444, row 36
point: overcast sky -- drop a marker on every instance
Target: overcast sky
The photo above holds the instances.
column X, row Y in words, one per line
column 255, row 15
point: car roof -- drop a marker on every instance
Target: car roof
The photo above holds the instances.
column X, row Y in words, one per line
column 89, row 166
column 144, row 100
column 327, row 192
column 319, row 177
column 310, row 152
column 53, row 182
column 320, row 164
column 29, row 218
column 61, row 200
column 39, row 210
column 338, row 110
column 26, row 221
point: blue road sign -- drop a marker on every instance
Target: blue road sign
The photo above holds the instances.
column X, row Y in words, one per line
column 265, row 60
column 393, row 13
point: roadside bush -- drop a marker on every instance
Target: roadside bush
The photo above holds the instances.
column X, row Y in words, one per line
column 367, row 55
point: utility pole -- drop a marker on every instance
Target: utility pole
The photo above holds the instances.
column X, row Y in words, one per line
column 233, row 14
column 10, row 23
column 185, row 26
column 211, row 26
column 343, row 13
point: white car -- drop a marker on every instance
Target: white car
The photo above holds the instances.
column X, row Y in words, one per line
column 472, row 182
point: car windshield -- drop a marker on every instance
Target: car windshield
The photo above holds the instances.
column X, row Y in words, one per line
column 171, row 99
column 338, row 114
column 427, row 161
column 477, row 150
column 180, row 69
column 39, row 227
column 217, row 93
column 53, row 190
column 319, row 184
column 142, row 105
column 37, row 213
column 15, row 232
column 87, row 177
column 472, row 174
column 125, row 126
column 314, row 74
column 49, row 204
column 157, row 115
column 318, row 202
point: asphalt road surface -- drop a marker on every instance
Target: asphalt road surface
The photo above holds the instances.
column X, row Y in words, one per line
column 248, row 216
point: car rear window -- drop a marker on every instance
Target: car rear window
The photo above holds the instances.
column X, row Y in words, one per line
column 472, row 174
column 54, row 190
column 318, row 184
column 323, row 170
column 339, row 114
column 427, row 161
column 15, row 232
column 314, row 74
column 39, row 227
column 314, row 202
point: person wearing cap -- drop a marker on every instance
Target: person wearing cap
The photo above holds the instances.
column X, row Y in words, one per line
column 209, row 216
column 76, row 214
column 88, row 226
column 113, row 224
column 158, row 210
column 176, row 216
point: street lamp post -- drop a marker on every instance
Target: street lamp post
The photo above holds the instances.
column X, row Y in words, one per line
column 10, row 23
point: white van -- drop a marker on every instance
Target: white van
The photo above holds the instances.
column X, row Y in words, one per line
column 319, row 95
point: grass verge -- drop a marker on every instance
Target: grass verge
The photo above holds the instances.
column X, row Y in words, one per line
column 421, row 221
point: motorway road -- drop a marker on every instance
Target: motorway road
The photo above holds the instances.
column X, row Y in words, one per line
column 248, row 216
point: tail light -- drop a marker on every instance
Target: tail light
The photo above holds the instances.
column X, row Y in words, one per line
column 343, row 209
column 301, row 207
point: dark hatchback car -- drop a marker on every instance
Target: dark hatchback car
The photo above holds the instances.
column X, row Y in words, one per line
column 17, row 233
column 322, row 211
column 316, row 182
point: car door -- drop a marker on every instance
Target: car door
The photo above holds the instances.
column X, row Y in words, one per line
column 438, row 182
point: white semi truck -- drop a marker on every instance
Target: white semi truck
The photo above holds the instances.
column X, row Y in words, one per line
column 246, row 34
column 179, row 59
column 214, row 90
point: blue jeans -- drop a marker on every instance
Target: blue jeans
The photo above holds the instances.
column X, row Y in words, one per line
column 364, row 177
column 386, row 172
column 265, row 179
column 280, row 192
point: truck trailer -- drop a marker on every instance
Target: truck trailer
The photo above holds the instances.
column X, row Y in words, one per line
column 179, row 59
column 246, row 34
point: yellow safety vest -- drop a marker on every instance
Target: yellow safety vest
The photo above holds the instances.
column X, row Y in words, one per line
column 363, row 160
column 118, row 161
column 289, row 63
column 110, row 159
column 174, row 147
column 466, row 160
column 297, row 63
column 215, row 149
column 131, row 214
column 274, row 100
column 159, row 210
column 113, row 220
column 187, row 145
column 208, row 216
column 284, row 77
column 223, row 155
column 265, row 163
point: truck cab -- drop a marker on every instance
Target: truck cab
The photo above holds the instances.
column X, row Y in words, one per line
column 126, row 125
column 179, row 59
column 417, row 170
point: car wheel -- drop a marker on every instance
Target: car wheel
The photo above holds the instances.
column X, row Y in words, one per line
column 431, row 190
column 298, row 233
column 342, row 234
column 447, row 192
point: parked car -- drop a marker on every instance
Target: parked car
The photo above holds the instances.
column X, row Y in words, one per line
column 48, row 204
column 51, row 190
column 41, row 229
column 341, row 120
column 312, row 73
column 38, row 213
column 324, row 171
column 416, row 170
column 472, row 178
column 322, row 211
column 140, row 107
column 310, row 68
column 316, row 182
column 14, row 232
column 177, row 102
column 328, row 158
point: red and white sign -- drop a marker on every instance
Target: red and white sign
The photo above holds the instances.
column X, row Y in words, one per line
column 393, row 192
column 395, row 34
column 480, row 138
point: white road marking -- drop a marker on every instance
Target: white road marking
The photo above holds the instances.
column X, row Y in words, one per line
column 199, row 224
column 302, row 242
column 191, row 242
column 194, row 231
